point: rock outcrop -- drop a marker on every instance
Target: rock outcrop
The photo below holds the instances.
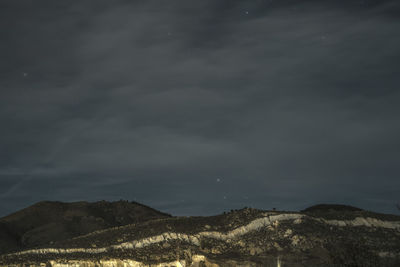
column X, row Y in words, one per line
column 247, row 237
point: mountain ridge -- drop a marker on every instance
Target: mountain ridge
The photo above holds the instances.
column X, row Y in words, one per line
column 322, row 235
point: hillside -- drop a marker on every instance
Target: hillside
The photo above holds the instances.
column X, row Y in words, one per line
column 322, row 235
column 47, row 222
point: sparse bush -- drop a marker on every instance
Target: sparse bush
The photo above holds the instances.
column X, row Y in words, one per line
column 349, row 254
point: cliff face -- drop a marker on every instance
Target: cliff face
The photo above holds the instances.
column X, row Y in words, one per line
column 247, row 237
column 196, row 261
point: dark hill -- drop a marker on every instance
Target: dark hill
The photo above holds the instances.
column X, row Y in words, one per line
column 46, row 222
column 323, row 235
column 344, row 212
column 330, row 207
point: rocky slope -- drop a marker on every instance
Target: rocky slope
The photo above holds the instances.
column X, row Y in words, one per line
column 318, row 236
column 47, row 222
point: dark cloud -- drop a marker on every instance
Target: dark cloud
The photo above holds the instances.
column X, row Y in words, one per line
column 196, row 107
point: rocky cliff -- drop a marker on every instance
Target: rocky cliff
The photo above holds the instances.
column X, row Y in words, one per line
column 320, row 236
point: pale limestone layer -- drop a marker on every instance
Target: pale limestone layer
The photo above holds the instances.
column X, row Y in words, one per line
column 197, row 261
column 270, row 220
column 168, row 236
column 369, row 222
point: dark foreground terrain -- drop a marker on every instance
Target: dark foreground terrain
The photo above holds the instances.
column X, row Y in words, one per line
column 129, row 234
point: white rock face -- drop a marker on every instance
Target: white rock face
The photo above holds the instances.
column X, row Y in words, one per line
column 197, row 261
column 368, row 222
column 267, row 221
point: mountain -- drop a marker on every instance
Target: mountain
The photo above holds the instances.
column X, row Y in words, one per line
column 322, row 235
column 46, row 222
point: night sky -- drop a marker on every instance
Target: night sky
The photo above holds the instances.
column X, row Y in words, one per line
column 200, row 106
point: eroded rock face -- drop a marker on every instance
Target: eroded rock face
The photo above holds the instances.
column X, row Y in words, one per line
column 195, row 261
column 245, row 238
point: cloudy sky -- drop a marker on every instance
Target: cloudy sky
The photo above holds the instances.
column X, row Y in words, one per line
column 196, row 107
